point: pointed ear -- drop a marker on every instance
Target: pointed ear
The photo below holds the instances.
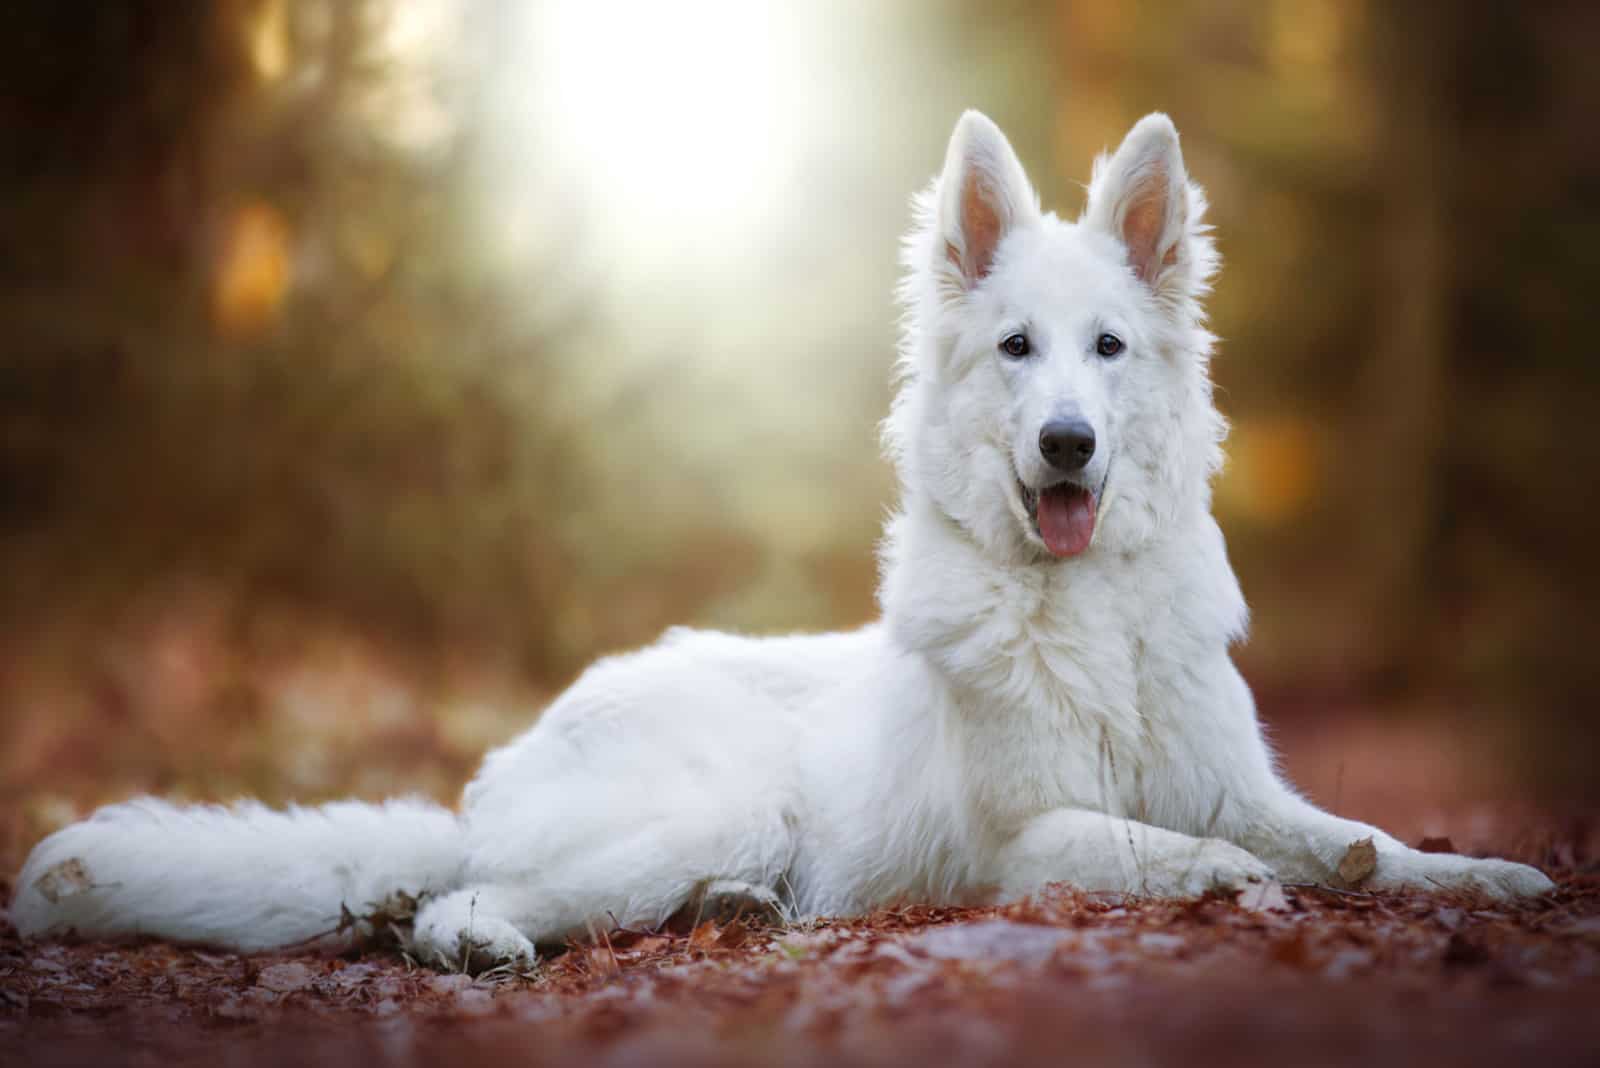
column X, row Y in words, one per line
column 1140, row 196
column 983, row 195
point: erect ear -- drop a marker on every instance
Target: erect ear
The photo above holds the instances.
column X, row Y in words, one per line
column 983, row 196
column 1140, row 195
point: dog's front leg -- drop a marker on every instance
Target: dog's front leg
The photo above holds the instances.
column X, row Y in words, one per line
column 1246, row 802
column 1096, row 852
column 1305, row 844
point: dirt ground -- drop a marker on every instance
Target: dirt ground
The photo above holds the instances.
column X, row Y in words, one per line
column 1293, row 976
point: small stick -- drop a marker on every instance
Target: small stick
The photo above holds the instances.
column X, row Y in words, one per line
column 606, row 939
column 617, row 926
column 1330, row 889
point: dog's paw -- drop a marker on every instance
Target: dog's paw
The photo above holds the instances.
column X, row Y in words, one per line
column 1210, row 865
column 454, row 936
column 489, row 943
column 1500, row 879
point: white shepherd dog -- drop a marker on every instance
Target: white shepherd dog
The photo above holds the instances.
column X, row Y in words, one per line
column 1048, row 697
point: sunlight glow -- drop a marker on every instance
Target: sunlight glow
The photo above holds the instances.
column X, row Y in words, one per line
column 682, row 120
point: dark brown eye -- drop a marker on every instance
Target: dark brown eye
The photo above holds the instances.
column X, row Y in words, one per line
column 1015, row 345
column 1108, row 345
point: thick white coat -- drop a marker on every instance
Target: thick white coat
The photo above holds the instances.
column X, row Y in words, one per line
column 1014, row 720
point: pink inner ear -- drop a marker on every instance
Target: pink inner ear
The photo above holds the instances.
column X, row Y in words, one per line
column 1142, row 224
column 980, row 227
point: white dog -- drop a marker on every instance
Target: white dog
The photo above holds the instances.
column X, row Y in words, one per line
column 1048, row 698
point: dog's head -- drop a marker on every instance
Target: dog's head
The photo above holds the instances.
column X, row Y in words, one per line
column 1055, row 394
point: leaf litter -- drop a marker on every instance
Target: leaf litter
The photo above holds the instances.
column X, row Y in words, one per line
column 1358, row 863
column 63, row 880
column 1278, row 974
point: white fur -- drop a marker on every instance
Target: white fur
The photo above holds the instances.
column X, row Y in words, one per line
column 244, row 876
column 1014, row 720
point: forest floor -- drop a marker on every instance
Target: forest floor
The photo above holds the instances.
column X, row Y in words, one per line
column 1298, row 975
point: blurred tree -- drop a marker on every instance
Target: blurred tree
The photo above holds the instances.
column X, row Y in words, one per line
column 1406, row 201
column 250, row 339
column 1506, row 391
column 268, row 330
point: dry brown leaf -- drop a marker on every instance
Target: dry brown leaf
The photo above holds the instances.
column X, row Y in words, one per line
column 452, row 984
column 649, row 944
column 603, row 961
column 286, row 978
column 733, row 936
column 65, row 879
column 704, row 936
column 1359, row 862
column 845, row 976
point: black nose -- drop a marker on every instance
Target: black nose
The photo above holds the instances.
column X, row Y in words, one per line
column 1066, row 444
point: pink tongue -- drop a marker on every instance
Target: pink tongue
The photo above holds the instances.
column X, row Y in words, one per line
column 1066, row 519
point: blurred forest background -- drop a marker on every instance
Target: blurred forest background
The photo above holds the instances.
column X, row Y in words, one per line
column 372, row 365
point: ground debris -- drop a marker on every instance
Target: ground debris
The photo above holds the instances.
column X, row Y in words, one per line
column 1358, row 862
column 1369, row 976
column 286, row 977
column 64, row 879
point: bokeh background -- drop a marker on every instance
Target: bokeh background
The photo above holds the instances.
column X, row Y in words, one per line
column 369, row 366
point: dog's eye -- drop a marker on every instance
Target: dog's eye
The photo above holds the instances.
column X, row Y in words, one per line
column 1015, row 345
column 1108, row 345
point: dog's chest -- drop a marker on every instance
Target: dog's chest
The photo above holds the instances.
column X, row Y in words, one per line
column 1066, row 686
column 1052, row 716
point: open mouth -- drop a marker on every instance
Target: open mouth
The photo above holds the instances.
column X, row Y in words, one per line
column 1063, row 516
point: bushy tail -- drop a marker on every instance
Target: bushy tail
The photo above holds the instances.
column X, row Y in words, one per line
column 245, row 877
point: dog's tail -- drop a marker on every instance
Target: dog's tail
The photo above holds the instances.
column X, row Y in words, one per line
column 244, row 877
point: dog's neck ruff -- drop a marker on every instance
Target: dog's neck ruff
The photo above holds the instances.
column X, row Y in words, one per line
column 1049, row 637
column 1010, row 637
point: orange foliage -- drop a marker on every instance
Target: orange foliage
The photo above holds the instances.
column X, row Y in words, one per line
column 1274, row 469
column 254, row 271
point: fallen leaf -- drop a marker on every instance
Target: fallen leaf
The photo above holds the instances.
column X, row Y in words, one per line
column 285, row 978
column 733, row 936
column 704, row 936
column 355, row 975
column 992, row 940
column 398, row 907
column 603, row 962
column 648, row 944
column 65, row 879
column 1359, row 862
column 454, row 983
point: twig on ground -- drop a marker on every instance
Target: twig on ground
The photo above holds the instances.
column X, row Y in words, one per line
column 616, row 925
column 1330, row 889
